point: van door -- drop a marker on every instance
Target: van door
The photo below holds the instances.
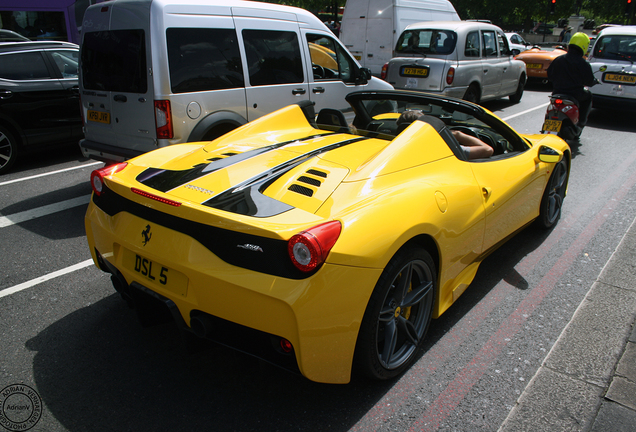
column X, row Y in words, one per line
column 333, row 71
column 273, row 60
column 379, row 35
column 491, row 64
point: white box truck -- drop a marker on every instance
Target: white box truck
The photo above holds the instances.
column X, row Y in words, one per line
column 370, row 28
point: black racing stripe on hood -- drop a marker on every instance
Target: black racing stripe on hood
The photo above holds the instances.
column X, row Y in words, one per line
column 247, row 197
column 164, row 180
column 261, row 254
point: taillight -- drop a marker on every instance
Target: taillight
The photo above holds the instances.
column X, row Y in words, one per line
column 163, row 119
column 450, row 76
column 309, row 249
column 97, row 176
column 385, row 71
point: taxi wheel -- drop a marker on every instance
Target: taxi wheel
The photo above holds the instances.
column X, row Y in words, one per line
column 398, row 315
column 516, row 97
column 8, row 150
column 553, row 196
column 472, row 94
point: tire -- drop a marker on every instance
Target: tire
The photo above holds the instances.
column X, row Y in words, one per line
column 516, row 97
column 401, row 306
column 472, row 94
column 553, row 197
column 8, row 150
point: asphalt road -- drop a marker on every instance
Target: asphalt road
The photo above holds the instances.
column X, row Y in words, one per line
column 67, row 335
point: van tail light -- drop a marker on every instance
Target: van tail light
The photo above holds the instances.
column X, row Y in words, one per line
column 450, row 76
column 163, row 119
column 309, row 249
column 385, row 71
column 97, row 176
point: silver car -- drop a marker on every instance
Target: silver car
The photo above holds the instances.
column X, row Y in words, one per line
column 463, row 59
column 612, row 60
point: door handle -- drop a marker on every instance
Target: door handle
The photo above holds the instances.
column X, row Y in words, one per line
column 486, row 191
column 298, row 91
column 120, row 98
column 318, row 90
column 5, row 94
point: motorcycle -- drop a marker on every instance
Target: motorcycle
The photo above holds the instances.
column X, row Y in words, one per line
column 562, row 117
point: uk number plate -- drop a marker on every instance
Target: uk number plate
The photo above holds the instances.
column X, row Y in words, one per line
column 551, row 126
column 415, row 71
column 620, row 78
column 98, row 116
column 534, row 66
column 157, row 274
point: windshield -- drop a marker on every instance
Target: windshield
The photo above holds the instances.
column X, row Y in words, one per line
column 616, row 47
column 426, row 41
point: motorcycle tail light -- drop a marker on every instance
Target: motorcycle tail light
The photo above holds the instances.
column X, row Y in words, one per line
column 97, row 176
column 309, row 249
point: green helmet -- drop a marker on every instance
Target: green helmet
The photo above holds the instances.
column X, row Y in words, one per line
column 581, row 40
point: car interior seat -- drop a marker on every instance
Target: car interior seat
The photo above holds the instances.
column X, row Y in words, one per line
column 334, row 118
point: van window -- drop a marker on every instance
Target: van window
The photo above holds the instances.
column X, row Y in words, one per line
column 202, row 59
column 23, row 66
column 114, row 61
column 427, row 42
column 328, row 59
column 273, row 57
column 472, row 44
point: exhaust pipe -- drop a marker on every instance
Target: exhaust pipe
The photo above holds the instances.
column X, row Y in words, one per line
column 201, row 325
column 544, row 81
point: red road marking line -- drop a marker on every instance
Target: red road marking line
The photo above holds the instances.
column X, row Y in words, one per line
column 455, row 392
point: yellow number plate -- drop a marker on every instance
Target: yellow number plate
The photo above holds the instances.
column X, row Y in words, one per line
column 551, row 125
column 619, row 78
column 156, row 274
column 98, row 116
column 358, row 57
column 417, row 72
column 534, row 66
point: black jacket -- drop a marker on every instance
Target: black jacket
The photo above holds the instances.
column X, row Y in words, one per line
column 569, row 73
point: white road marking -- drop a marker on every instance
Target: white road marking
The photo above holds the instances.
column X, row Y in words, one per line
column 49, row 173
column 45, row 278
column 15, row 218
column 526, row 111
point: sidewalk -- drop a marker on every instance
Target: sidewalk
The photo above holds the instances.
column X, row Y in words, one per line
column 588, row 380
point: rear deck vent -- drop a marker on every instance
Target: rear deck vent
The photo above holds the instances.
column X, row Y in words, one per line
column 301, row 190
column 309, row 180
column 317, row 173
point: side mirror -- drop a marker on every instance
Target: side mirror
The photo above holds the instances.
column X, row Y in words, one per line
column 549, row 155
column 363, row 75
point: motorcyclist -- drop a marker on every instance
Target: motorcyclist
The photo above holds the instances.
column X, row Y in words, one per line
column 570, row 73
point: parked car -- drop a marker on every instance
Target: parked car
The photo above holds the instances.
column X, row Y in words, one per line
column 462, row 59
column 612, row 59
column 517, row 43
column 538, row 59
column 316, row 245
column 39, row 97
column 153, row 77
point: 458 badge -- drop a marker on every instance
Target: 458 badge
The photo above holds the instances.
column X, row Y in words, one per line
column 144, row 267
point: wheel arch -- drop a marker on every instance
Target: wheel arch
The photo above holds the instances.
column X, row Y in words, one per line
column 216, row 124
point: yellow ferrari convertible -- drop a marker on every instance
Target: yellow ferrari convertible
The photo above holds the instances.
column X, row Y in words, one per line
column 326, row 243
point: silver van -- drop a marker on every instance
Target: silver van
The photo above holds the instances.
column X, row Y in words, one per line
column 161, row 72
column 464, row 59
